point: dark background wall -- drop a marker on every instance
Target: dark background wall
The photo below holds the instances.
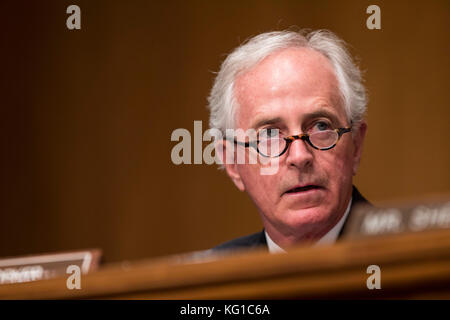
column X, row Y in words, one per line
column 86, row 116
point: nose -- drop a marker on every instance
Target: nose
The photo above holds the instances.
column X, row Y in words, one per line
column 299, row 155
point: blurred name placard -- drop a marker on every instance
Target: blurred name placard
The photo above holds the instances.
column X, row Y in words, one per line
column 370, row 221
column 46, row 266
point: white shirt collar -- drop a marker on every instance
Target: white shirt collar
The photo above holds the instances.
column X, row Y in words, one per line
column 328, row 238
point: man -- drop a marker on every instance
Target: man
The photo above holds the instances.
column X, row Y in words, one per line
column 302, row 93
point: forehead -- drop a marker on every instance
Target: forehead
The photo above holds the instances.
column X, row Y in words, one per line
column 287, row 84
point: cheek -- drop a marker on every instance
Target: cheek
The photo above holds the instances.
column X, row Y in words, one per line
column 338, row 166
column 261, row 188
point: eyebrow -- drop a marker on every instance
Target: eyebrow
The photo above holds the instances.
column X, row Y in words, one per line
column 322, row 113
column 266, row 121
column 307, row 117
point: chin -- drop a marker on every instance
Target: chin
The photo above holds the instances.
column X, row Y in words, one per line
column 308, row 219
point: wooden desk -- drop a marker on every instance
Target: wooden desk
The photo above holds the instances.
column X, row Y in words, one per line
column 415, row 265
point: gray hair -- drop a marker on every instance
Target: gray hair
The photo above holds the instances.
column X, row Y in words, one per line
column 222, row 101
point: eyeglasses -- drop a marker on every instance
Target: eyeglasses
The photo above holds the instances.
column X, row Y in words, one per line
column 270, row 147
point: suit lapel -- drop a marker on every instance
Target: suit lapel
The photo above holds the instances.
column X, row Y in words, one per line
column 357, row 199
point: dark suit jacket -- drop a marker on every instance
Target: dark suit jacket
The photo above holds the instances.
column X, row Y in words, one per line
column 259, row 239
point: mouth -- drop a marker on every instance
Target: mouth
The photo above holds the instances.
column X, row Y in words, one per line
column 303, row 189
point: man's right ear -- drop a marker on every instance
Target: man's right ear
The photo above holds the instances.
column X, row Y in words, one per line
column 225, row 151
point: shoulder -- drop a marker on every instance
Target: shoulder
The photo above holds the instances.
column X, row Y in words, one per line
column 358, row 198
column 254, row 240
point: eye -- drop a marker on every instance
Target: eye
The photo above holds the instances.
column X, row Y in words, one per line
column 321, row 126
